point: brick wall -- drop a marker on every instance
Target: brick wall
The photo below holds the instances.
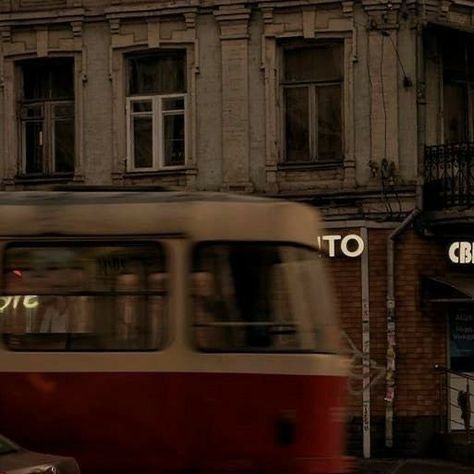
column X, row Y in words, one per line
column 420, row 336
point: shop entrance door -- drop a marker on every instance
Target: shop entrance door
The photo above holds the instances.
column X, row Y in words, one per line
column 461, row 359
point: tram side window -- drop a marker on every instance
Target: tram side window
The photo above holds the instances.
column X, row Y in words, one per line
column 84, row 297
column 260, row 297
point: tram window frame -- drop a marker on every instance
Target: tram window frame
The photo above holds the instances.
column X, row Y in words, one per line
column 252, row 350
column 164, row 337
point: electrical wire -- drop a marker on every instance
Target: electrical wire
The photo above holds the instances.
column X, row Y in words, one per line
column 405, row 76
column 384, row 33
column 384, row 107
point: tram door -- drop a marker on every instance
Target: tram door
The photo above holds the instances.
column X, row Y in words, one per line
column 461, row 359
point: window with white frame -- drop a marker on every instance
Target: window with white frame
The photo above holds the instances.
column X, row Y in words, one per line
column 156, row 110
column 47, row 116
column 312, row 90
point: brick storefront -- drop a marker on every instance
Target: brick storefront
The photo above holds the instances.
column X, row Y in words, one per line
column 421, row 341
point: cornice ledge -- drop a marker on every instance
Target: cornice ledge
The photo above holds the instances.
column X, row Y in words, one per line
column 295, row 3
column 385, row 6
column 156, row 9
column 234, row 13
column 67, row 15
column 464, row 3
column 449, row 24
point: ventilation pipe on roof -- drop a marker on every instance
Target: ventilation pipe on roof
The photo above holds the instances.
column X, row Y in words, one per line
column 390, row 374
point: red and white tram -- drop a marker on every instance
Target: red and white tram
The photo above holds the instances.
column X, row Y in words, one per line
column 169, row 332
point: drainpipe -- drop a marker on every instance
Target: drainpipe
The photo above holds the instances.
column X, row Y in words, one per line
column 421, row 138
column 420, row 111
column 390, row 375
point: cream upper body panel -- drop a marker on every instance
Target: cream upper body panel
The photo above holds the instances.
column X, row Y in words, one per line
column 199, row 216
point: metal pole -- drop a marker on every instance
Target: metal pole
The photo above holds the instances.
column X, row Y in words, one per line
column 364, row 274
column 391, row 335
column 468, row 414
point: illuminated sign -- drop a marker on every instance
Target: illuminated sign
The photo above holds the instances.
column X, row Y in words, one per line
column 461, row 252
column 351, row 245
column 27, row 301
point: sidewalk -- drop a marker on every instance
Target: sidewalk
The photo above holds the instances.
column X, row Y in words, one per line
column 410, row 466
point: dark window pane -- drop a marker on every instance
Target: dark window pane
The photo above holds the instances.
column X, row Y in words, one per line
column 62, row 78
column 160, row 73
column 64, row 146
column 461, row 347
column 64, row 111
column 48, row 78
column 34, row 147
column 472, row 109
column 32, row 111
column 141, row 106
column 174, row 140
column 35, row 81
column 142, row 128
column 455, row 113
column 457, row 50
column 320, row 63
column 329, row 123
column 297, row 124
column 173, row 104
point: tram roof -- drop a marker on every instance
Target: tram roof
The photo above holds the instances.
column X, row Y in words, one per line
column 198, row 215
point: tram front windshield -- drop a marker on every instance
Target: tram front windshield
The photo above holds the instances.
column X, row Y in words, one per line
column 261, row 297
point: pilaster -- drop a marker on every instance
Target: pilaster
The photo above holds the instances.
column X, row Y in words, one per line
column 234, row 33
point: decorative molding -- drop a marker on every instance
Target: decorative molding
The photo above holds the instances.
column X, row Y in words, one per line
column 296, row 3
column 349, row 173
column 74, row 3
column 421, row 92
column 6, row 34
column 233, row 22
column 381, row 6
column 267, row 13
column 309, row 22
column 42, row 45
column 42, row 17
column 114, row 25
column 444, row 7
column 347, row 7
column 77, row 28
column 153, row 30
column 190, row 20
column 84, row 77
column 147, row 10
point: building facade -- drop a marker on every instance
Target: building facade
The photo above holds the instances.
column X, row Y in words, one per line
column 361, row 108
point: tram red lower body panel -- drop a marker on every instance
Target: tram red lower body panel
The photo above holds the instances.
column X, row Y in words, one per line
column 150, row 423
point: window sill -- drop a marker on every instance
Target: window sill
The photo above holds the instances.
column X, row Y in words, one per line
column 310, row 166
column 35, row 179
column 162, row 172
